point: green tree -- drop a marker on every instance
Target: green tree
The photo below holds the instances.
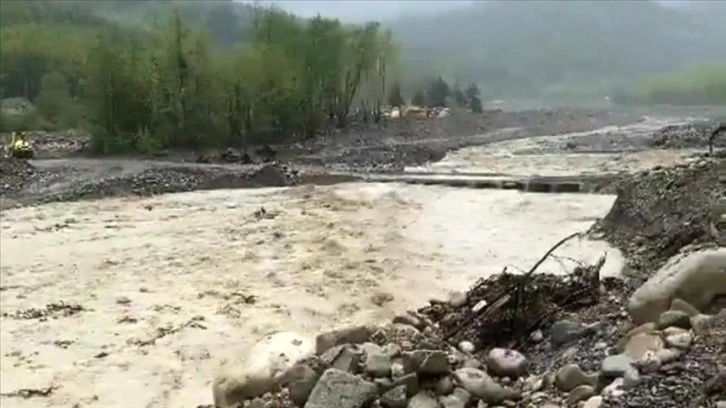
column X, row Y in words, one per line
column 473, row 99
column 437, row 92
column 54, row 101
column 459, row 98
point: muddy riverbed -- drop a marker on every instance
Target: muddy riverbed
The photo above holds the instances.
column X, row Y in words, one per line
column 156, row 288
column 134, row 301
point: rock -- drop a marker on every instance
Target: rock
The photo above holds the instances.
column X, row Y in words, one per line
column 580, row 393
column 445, row 385
column 683, row 306
column 480, row 385
column 680, row 341
column 265, row 365
column 338, row 389
column 593, row 402
column 649, row 363
column 614, row 390
column 631, row 378
column 674, row 318
column 716, row 385
column 536, row 336
column 479, row 306
column 566, row 331
column 376, row 363
column 615, row 366
column 409, row 320
column 641, row 343
column 301, row 380
column 645, row 328
column 349, row 335
column 533, row 383
column 397, row 370
column 345, row 358
column 427, row 362
column 702, row 323
column 410, row 381
column 458, row 399
column 392, row 350
column 571, row 376
column 695, row 278
column 721, row 404
column 472, row 363
column 667, row 355
column 506, row 363
column 457, row 299
column 423, row 400
column 394, row 398
column 383, row 384
column 467, row 347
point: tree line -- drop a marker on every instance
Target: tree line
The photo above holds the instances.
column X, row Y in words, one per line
column 174, row 87
column 171, row 89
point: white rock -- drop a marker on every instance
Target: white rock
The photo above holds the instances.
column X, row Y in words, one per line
column 506, row 362
column 467, row 347
column 593, row 402
column 264, row 366
column 479, row 306
column 680, row 341
column 695, row 278
column 614, row 390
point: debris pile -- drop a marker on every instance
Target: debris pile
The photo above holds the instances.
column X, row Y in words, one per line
column 687, row 136
column 14, row 174
column 532, row 340
column 504, row 309
column 152, row 181
column 658, row 212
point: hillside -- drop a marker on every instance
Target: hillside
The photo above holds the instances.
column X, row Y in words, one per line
column 520, row 47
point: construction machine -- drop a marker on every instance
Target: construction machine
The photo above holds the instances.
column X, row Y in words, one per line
column 19, row 147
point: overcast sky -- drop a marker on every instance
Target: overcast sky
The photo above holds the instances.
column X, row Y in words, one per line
column 362, row 10
column 366, row 10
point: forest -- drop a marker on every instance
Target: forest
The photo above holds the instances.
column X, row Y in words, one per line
column 171, row 87
column 146, row 75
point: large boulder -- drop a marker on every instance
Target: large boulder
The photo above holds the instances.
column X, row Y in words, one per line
column 695, row 278
column 338, row 389
column 265, row 366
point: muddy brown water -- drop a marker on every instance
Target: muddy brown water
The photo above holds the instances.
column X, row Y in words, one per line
column 171, row 286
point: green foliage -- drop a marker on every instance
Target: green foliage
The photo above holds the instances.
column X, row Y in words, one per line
column 459, row 98
column 168, row 86
column 473, row 98
column 700, row 85
column 14, row 122
column 437, row 93
column 54, row 101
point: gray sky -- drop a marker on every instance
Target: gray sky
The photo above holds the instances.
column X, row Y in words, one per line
column 366, row 10
column 362, row 10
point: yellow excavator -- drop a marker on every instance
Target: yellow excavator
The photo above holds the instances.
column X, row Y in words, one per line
column 19, row 147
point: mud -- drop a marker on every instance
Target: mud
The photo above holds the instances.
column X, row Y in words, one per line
column 168, row 285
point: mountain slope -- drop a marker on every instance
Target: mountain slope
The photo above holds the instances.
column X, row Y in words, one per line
column 520, row 46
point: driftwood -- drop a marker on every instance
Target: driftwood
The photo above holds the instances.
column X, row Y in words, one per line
column 518, row 304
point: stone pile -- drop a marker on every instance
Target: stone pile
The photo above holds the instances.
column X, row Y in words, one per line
column 685, row 136
column 660, row 211
column 152, row 181
column 14, row 174
column 673, row 356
